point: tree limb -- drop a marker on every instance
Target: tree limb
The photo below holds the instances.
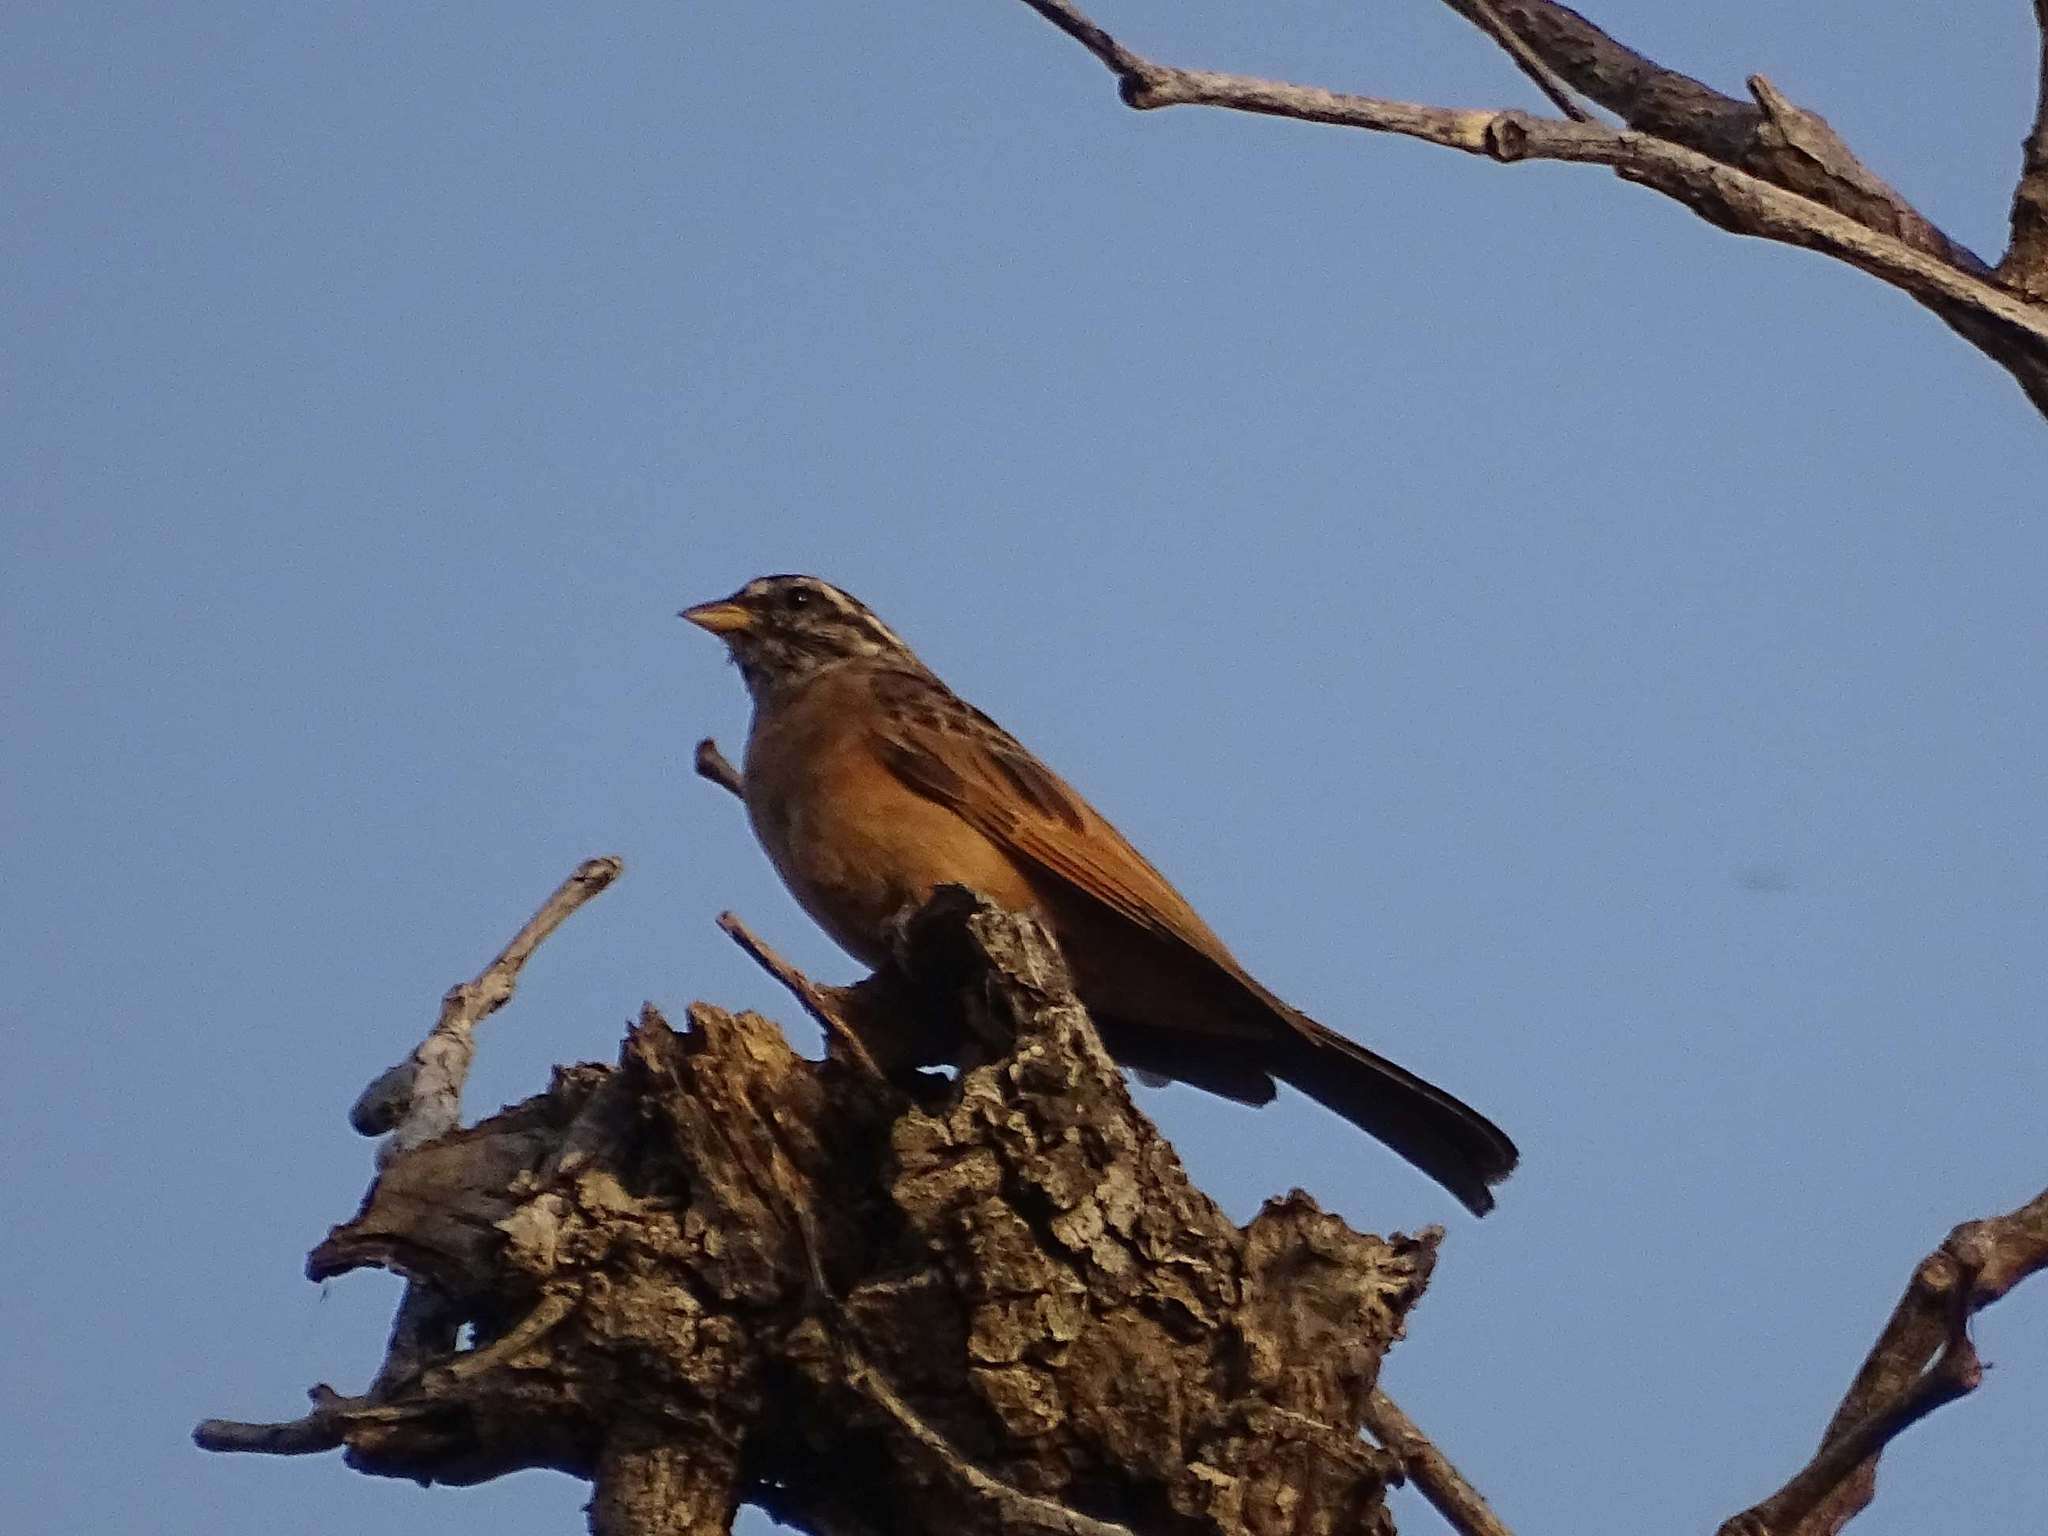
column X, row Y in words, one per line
column 817, row 1001
column 711, row 764
column 718, row 1272
column 646, row 1486
column 1922, row 1359
column 1769, row 135
column 421, row 1097
column 2025, row 268
column 1446, row 1488
column 1481, row 13
column 1771, row 170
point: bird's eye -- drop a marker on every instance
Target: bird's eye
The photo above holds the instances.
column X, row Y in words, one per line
column 796, row 597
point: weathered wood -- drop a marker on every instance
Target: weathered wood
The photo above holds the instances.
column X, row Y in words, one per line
column 718, row 1272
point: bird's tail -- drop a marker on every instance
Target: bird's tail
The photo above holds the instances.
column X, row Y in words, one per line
column 1446, row 1138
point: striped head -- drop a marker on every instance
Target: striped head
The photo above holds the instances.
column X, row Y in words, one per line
column 783, row 630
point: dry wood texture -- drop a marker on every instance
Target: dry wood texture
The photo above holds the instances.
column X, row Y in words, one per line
column 893, row 1302
column 719, row 1272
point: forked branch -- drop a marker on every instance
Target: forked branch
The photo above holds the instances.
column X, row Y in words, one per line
column 719, row 1273
column 421, row 1097
column 1923, row 1359
column 1766, row 168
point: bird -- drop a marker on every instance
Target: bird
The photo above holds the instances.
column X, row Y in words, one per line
column 870, row 783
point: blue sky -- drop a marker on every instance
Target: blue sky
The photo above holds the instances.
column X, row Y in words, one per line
column 1595, row 659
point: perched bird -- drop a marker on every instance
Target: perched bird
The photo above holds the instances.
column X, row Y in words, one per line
column 870, row 783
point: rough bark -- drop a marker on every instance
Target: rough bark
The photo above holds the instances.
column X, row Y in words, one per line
column 718, row 1272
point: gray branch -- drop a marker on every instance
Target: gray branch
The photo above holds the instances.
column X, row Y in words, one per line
column 1922, row 1359
column 421, row 1097
column 2025, row 268
column 718, row 1272
column 1767, row 168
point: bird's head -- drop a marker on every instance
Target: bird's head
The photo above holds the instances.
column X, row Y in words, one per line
column 783, row 630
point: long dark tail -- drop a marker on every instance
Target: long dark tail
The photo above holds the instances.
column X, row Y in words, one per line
column 1446, row 1138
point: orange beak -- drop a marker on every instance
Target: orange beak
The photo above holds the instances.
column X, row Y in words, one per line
column 723, row 617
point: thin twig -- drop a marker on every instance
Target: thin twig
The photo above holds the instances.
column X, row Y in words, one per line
column 1546, row 79
column 1430, row 1470
column 421, row 1098
column 548, row 1314
column 322, row 1429
column 712, row 764
column 1021, row 1510
column 1090, row 35
column 1922, row 1359
column 807, row 992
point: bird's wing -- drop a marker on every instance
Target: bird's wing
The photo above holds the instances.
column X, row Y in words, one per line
column 950, row 752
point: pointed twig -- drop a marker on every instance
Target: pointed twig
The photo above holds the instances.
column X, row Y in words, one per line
column 421, row 1097
column 1922, row 1359
column 1430, row 1470
column 1546, row 79
column 711, row 764
column 816, row 1002
column 322, row 1429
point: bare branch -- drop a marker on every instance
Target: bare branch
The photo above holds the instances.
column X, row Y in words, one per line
column 1923, row 1359
column 1770, row 170
column 1733, row 199
column 1021, row 1511
column 421, row 1097
column 1637, row 89
column 1768, row 136
column 1430, row 1470
column 322, row 1429
column 816, row 1000
column 1464, row 129
column 711, row 764
column 959, row 1313
column 1482, row 14
column 1801, row 152
column 1090, row 36
column 2025, row 267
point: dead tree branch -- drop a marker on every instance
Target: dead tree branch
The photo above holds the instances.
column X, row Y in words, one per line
column 1923, row 1359
column 717, row 1272
column 421, row 1097
column 1482, row 14
column 711, row 764
column 818, row 1001
column 1765, row 168
column 2025, row 267
column 1446, row 1488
